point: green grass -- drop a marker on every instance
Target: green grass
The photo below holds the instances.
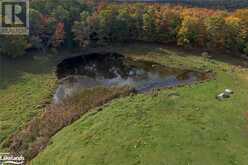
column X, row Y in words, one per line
column 36, row 134
column 160, row 128
column 26, row 86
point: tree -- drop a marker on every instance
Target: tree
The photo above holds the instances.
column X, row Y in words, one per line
column 64, row 11
column 149, row 24
column 136, row 12
column 122, row 25
column 58, row 36
column 61, row 14
column 35, row 29
column 193, row 30
column 168, row 24
column 107, row 24
column 45, row 31
column 81, row 30
column 243, row 32
column 233, row 28
column 216, row 30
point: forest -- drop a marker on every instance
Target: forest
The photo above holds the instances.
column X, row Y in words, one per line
column 69, row 24
column 223, row 4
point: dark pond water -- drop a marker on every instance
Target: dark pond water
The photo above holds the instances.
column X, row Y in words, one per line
column 112, row 69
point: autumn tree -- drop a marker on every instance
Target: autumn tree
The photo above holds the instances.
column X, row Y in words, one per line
column 149, row 24
column 168, row 24
column 136, row 21
column 243, row 32
column 233, row 29
column 216, row 31
column 192, row 31
column 82, row 30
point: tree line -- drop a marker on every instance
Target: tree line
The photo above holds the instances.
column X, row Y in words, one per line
column 62, row 23
column 187, row 27
column 220, row 4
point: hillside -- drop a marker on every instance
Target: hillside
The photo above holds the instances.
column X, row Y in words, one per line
column 185, row 125
column 126, row 83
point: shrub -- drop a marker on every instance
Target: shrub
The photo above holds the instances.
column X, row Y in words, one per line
column 13, row 46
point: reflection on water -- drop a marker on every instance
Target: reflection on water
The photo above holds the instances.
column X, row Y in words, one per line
column 111, row 69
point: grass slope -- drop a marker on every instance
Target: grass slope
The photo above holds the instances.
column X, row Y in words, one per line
column 192, row 128
column 26, row 85
column 36, row 135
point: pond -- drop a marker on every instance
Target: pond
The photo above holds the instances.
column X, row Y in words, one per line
column 113, row 69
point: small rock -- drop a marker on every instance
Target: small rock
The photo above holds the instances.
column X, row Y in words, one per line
column 131, row 73
column 228, row 92
column 226, row 95
column 220, row 97
column 173, row 95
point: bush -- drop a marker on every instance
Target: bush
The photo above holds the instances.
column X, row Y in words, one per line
column 13, row 46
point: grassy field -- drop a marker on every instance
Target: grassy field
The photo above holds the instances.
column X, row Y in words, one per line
column 26, row 86
column 180, row 126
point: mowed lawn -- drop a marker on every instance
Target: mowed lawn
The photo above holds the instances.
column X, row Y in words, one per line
column 26, row 86
column 181, row 126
